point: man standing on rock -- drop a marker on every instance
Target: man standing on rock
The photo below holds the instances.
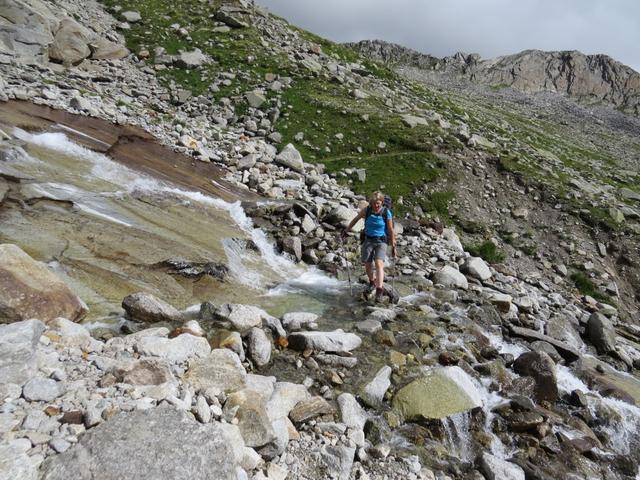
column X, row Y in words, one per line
column 378, row 233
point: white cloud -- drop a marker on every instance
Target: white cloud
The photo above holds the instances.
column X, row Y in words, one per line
column 488, row 27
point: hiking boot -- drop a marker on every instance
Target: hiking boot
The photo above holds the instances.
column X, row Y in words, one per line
column 379, row 294
column 370, row 288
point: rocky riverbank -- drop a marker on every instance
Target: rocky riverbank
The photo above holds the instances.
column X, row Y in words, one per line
column 481, row 371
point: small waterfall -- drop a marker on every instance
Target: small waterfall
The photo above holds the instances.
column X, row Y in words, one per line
column 458, row 436
column 115, row 181
column 236, row 250
column 623, row 427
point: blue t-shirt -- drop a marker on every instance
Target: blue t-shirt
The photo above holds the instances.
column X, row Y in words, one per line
column 375, row 224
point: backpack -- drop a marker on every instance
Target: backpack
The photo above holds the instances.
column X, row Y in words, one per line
column 386, row 207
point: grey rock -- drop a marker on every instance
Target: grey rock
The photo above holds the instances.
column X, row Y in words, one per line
column 71, row 43
column 569, row 353
column 290, row 157
column 152, row 437
column 253, row 420
column 373, row 392
column 293, row 321
column 542, row 369
column 174, row 350
column 27, row 30
column 478, row 141
column 103, row 49
column 311, row 64
column 368, row 326
column 59, row 445
column 413, row 121
column 42, row 390
column 71, row 334
column 285, row 397
column 18, row 343
column 15, row 464
column 338, row 461
column 131, row 17
column 601, row 333
column 231, row 16
column 477, row 268
column 258, row 347
column 145, row 307
column 335, row 341
column 220, row 371
column 241, row 317
column 190, row 60
column 201, row 410
column 351, row 413
column 495, row 469
column 255, row 98
column 293, row 246
column 450, row 277
column 340, row 216
column 145, row 372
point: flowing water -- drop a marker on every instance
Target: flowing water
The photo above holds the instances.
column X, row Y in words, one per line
column 107, row 229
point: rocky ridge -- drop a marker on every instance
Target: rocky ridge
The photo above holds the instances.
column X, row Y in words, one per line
column 92, row 381
column 589, row 78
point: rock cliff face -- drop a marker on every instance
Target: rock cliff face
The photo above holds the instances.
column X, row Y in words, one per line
column 589, row 78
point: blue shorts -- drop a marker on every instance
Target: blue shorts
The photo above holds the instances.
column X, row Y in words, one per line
column 373, row 249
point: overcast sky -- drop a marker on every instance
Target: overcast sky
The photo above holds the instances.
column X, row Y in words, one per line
column 488, row 27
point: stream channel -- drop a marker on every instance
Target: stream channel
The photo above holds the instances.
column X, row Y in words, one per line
column 107, row 207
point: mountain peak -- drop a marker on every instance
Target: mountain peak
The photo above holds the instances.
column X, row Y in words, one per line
column 588, row 78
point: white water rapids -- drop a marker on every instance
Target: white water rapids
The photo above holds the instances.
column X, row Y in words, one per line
column 271, row 272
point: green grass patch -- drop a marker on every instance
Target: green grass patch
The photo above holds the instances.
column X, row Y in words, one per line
column 586, row 287
column 230, row 51
column 486, row 250
column 438, row 203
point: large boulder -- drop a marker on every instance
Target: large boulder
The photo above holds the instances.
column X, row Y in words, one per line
column 26, row 29
column 29, row 290
column 103, row 49
column 144, row 307
column 494, row 468
column 258, row 347
column 251, row 414
column 190, row 60
column 336, row 341
column 241, row 317
column 144, row 445
column 477, row 268
column 450, row 277
column 601, row 333
column 439, row 393
column 290, row 157
column 71, row 43
column 540, row 367
column 569, row 353
column 340, row 216
column 221, row 371
column 18, row 343
column 373, row 392
column 173, row 350
column 15, row 464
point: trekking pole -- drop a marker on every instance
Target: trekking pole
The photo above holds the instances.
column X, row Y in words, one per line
column 395, row 271
column 349, row 273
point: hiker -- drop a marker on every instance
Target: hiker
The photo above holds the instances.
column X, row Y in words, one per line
column 378, row 232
